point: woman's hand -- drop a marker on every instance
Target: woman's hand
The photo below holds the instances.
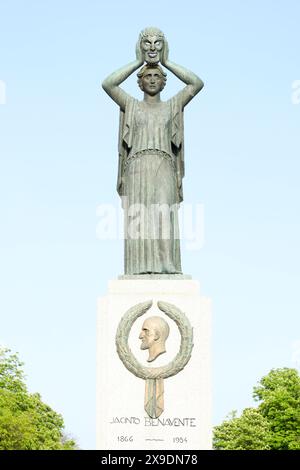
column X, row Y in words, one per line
column 140, row 56
column 165, row 53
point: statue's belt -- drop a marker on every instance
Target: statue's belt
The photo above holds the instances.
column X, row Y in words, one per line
column 143, row 153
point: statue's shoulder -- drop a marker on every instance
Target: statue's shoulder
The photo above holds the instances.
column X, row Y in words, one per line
column 131, row 103
column 132, row 99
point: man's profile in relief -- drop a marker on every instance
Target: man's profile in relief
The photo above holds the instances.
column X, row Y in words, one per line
column 155, row 331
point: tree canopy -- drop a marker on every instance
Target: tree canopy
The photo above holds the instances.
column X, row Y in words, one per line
column 26, row 423
column 274, row 424
column 279, row 397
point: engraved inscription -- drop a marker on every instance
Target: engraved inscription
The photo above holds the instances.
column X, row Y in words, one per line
column 159, row 422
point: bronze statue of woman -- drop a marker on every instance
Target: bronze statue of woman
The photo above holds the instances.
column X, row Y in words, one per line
column 151, row 158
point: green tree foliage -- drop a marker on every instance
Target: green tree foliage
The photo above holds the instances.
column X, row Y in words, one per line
column 274, row 425
column 250, row 431
column 279, row 394
column 26, row 423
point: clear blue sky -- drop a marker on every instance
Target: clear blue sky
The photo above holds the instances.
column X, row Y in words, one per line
column 58, row 157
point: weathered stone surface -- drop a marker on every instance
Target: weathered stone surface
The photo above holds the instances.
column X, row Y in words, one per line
column 151, row 157
column 185, row 422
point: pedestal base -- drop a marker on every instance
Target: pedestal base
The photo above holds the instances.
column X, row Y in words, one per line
column 122, row 422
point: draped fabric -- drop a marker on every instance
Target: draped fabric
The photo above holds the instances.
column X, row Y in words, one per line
column 151, row 169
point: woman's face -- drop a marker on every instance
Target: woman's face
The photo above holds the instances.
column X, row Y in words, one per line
column 152, row 47
column 152, row 81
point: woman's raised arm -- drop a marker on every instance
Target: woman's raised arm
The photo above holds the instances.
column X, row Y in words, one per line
column 193, row 82
column 112, row 82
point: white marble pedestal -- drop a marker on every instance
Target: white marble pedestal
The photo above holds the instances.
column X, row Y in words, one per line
column 122, row 422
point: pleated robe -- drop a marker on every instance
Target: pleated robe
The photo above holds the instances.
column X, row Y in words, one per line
column 150, row 184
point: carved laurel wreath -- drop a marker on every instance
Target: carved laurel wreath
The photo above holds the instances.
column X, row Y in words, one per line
column 126, row 355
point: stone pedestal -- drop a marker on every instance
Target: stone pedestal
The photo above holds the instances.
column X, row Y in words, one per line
column 122, row 422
